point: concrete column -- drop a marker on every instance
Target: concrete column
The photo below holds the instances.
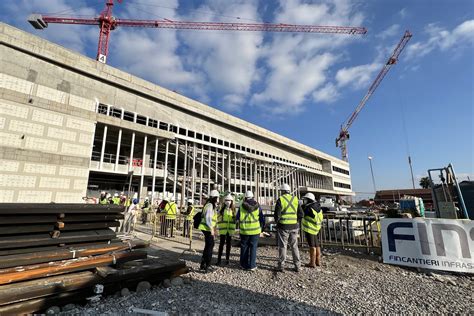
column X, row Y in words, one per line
column 175, row 168
column 132, row 148
column 209, row 160
column 117, row 153
column 193, row 173
column 200, row 176
column 102, row 150
column 165, row 167
column 246, row 176
column 235, row 172
column 216, row 172
column 251, row 175
column 142, row 177
column 240, row 173
column 223, row 170
column 153, row 180
column 229, row 171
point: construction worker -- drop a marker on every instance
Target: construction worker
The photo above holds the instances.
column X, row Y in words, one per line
column 311, row 223
column 123, row 198
column 189, row 215
column 251, row 221
column 110, row 198
column 145, row 210
column 128, row 224
column 103, row 198
column 170, row 217
column 116, row 199
column 160, row 213
column 226, row 225
column 208, row 226
column 287, row 214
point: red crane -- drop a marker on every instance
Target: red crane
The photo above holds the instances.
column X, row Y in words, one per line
column 344, row 133
column 107, row 22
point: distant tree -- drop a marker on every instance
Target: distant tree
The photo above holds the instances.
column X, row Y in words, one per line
column 425, row 182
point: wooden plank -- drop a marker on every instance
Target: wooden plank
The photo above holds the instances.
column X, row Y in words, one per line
column 57, row 208
column 17, row 274
column 65, row 253
column 44, row 239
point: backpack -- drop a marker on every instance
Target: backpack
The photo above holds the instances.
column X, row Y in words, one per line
column 197, row 219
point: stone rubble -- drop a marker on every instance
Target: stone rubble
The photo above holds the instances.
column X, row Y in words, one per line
column 347, row 283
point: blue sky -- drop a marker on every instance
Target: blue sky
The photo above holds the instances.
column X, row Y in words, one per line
column 304, row 86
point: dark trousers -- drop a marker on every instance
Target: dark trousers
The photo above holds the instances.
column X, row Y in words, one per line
column 169, row 226
column 227, row 240
column 208, row 248
column 248, row 251
column 186, row 228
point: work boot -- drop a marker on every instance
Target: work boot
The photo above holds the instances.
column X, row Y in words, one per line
column 318, row 256
column 218, row 263
column 312, row 258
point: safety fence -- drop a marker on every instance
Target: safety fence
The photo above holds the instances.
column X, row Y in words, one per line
column 337, row 230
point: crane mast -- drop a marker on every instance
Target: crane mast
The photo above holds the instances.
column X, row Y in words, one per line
column 392, row 60
column 107, row 23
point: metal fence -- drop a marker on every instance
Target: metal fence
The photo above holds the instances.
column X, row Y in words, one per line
column 337, row 230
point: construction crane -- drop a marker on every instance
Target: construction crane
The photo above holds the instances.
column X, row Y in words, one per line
column 344, row 132
column 107, row 23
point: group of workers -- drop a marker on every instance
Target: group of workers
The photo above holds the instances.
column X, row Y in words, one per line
column 289, row 214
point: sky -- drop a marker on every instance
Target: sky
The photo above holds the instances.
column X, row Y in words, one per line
column 305, row 85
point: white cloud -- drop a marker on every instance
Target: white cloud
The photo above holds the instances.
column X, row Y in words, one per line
column 389, row 32
column 403, row 13
column 297, row 65
column 442, row 39
column 358, row 76
column 71, row 36
column 328, row 94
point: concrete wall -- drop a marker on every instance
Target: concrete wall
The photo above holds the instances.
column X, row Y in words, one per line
column 47, row 119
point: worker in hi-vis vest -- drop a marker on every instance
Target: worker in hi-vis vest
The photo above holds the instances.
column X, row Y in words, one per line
column 208, row 226
column 170, row 216
column 226, row 225
column 251, row 223
column 103, row 198
column 189, row 214
column 311, row 223
column 287, row 215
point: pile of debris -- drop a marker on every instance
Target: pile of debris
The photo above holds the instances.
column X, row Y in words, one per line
column 55, row 254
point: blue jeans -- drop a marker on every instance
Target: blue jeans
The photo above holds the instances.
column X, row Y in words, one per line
column 248, row 251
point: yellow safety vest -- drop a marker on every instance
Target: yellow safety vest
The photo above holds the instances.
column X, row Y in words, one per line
column 116, row 200
column 170, row 210
column 312, row 225
column 128, row 202
column 103, row 201
column 289, row 209
column 203, row 224
column 190, row 216
column 249, row 222
column 226, row 222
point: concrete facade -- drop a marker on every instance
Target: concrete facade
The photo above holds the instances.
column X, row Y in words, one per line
column 69, row 123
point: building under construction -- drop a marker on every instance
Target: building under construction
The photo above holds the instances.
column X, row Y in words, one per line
column 71, row 126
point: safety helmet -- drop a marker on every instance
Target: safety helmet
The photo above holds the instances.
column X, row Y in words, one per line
column 229, row 198
column 102, row 193
column 214, row 193
column 285, row 187
column 190, row 201
column 309, row 196
column 166, row 198
column 115, row 194
column 248, row 194
column 109, row 195
column 122, row 193
column 146, row 199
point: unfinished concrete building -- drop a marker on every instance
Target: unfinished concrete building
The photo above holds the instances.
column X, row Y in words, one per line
column 71, row 127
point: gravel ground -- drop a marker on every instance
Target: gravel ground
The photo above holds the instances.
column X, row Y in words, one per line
column 347, row 283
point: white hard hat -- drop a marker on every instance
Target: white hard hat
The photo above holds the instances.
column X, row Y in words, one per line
column 166, row 198
column 214, row 193
column 285, row 187
column 248, row 194
column 310, row 196
column 146, row 199
column 103, row 192
column 229, row 198
column 190, row 201
column 115, row 194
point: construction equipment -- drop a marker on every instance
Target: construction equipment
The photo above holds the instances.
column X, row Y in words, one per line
column 447, row 196
column 344, row 132
column 107, row 23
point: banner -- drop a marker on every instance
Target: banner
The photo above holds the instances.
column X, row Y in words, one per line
column 440, row 244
